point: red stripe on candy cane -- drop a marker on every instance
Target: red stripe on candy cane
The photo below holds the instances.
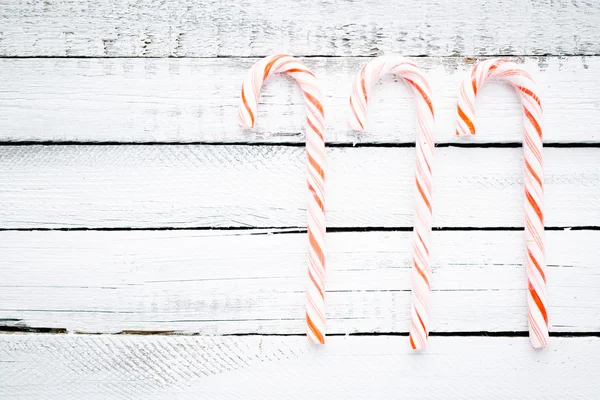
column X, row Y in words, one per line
column 519, row 78
column 421, row 271
column 315, row 151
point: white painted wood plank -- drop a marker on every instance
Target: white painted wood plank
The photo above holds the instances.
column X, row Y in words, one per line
column 226, row 282
column 150, row 367
column 184, row 28
column 264, row 186
column 196, row 100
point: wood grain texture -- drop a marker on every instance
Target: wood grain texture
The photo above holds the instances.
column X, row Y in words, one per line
column 186, row 28
column 178, row 80
column 225, row 282
column 121, row 367
column 264, row 186
column 172, row 100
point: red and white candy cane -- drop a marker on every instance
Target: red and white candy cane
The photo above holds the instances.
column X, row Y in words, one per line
column 421, row 272
column 315, row 154
column 518, row 78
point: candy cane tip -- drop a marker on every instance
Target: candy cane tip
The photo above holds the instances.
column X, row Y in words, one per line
column 418, row 347
column 354, row 126
column 316, row 341
column 460, row 133
column 245, row 125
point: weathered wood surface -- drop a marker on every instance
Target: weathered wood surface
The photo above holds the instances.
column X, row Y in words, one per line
column 187, row 28
column 121, row 367
column 264, row 186
column 172, row 100
column 250, row 282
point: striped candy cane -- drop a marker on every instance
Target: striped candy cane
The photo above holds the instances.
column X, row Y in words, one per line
column 518, row 78
column 421, row 272
column 315, row 154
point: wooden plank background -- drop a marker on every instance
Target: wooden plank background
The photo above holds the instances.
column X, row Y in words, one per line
column 125, row 367
column 186, row 28
column 183, row 281
column 171, row 100
column 151, row 249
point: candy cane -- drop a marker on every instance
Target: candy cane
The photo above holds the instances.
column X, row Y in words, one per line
column 518, row 78
column 315, row 154
column 421, row 272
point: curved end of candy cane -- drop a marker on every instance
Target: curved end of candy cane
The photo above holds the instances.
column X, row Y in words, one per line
column 354, row 121
column 355, row 125
column 461, row 133
column 245, row 125
column 464, row 123
column 245, row 117
column 315, row 335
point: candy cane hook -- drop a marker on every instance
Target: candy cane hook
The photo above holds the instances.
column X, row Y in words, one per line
column 518, row 78
column 315, row 154
column 421, row 272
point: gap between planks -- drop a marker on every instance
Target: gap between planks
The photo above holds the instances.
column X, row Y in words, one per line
column 506, row 145
column 283, row 230
column 18, row 330
column 308, row 56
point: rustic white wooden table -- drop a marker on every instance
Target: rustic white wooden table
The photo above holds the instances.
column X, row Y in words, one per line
column 149, row 249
